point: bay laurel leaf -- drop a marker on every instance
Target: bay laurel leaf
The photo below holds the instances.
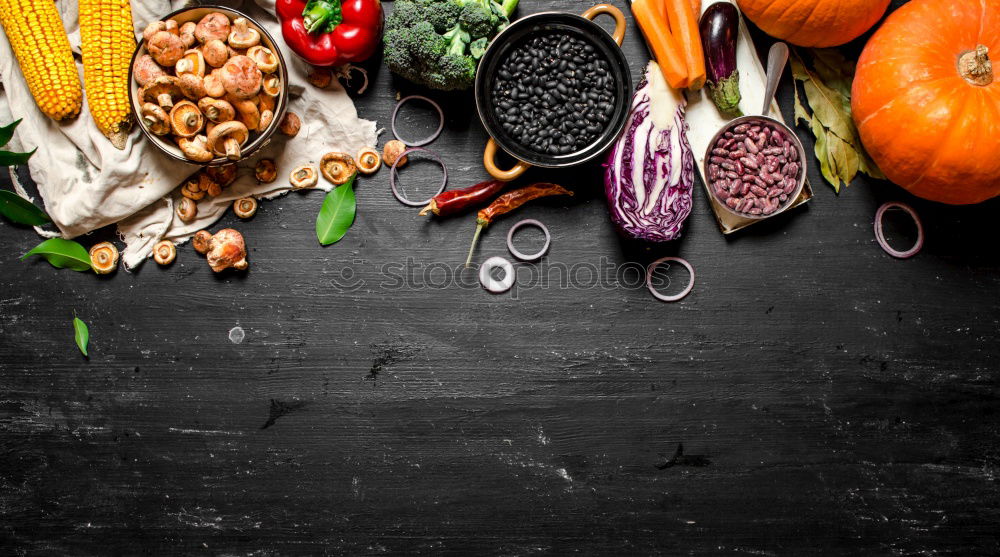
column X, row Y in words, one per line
column 62, row 254
column 7, row 132
column 81, row 333
column 20, row 210
column 337, row 213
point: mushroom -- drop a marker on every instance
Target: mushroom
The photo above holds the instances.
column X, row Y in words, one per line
column 320, row 77
column 146, row 69
column 265, row 171
column 192, row 62
column 246, row 111
column 186, row 120
column 192, row 86
column 242, row 35
column 338, row 168
column 187, row 209
column 266, row 119
column 393, row 150
column 195, row 148
column 290, row 124
column 104, row 258
column 368, row 160
column 245, row 207
column 264, row 58
column 191, row 190
column 265, row 105
column 223, row 174
column 216, row 110
column 227, row 249
column 171, row 26
column 155, row 119
column 186, row 34
column 271, row 85
column 213, row 26
column 164, row 252
column 215, row 52
column 303, row 177
column 241, row 77
column 162, row 90
column 152, row 29
column 227, row 138
column 201, row 241
column 166, row 48
column 213, row 84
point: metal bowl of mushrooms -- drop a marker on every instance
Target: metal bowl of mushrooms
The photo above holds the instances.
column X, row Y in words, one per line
column 208, row 85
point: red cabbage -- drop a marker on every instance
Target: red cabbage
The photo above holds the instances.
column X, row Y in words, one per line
column 649, row 174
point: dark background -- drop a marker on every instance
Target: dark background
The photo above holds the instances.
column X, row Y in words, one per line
column 829, row 398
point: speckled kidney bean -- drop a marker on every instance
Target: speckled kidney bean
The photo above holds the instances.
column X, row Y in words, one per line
column 754, row 168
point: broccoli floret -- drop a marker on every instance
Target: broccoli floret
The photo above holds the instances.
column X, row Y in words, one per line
column 438, row 42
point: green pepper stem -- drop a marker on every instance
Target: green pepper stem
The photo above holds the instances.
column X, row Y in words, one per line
column 321, row 15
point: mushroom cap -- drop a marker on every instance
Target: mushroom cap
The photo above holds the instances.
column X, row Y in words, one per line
column 217, row 110
column 166, row 48
column 155, row 118
column 192, row 86
column 186, row 120
column 245, row 207
column 192, row 62
column 213, row 26
column 290, row 124
column 242, row 35
column 368, row 160
column 223, row 174
column 241, row 77
column 215, row 52
column 213, row 84
column 202, row 241
column 146, row 70
column 153, row 28
column 232, row 129
column 164, row 252
column 104, row 258
column 227, row 249
column 338, row 168
column 265, row 171
column 271, row 85
column 248, row 112
column 303, row 177
column 186, row 33
column 195, row 148
column 163, row 85
column 264, row 58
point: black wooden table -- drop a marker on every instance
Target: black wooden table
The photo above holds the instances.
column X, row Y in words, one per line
column 829, row 399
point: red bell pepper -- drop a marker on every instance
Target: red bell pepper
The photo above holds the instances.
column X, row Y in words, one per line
column 331, row 32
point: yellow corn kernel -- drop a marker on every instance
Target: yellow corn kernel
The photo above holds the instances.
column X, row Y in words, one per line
column 107, row 42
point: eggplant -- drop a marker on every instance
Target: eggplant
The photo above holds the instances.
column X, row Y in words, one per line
column 719, row 28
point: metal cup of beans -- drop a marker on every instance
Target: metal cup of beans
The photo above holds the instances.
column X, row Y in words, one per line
column 552, row 90
column 755, row 167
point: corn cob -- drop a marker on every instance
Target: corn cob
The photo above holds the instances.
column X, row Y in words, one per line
column 107, row 41
column 42, row 49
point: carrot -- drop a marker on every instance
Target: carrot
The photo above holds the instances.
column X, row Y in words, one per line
column 684, row 24
column 650, row 16
column 696, row 6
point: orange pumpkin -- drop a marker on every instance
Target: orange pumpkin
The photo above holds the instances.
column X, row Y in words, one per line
column 814, row 23
column 926, row 103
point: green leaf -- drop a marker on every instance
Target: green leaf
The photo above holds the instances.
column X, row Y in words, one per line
column 62, row 254
column 82, row 335
column 20, row 210
column 337, row 214
column 7, row 132
column 9, row 158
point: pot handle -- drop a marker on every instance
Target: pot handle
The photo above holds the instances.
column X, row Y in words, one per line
column 489, row 161
column 614, row 12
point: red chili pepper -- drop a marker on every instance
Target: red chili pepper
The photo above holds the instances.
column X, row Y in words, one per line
column 455, row 201
column 510, row 201
column 331, row 32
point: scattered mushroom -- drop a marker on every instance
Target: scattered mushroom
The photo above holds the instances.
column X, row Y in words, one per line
column 303, row 177
column 186, row 34
column 192, row 189
column 166, row 48
column 187, row 209
column 227, row 138
column 213, row 26
column 192, row 86
column 155, row 119
column 164, row 252
column 186, row 120
column 246, row 111
column 213, row 84
column 338, row 168
column 264, row 58
column 192, row 62
column 320, row 77
column 394, row 150
column 242, row 35
column 368, row 161
column 290, row 124
column 215, row 53
column 217, row 110
column 241, row 77
column 161, row 90
column 224, row 250
column 265, row 171
column 104, row 258
column 146, row 70
column 271, row 85
column 245, row 207
column 195, row 148
column 224, row 174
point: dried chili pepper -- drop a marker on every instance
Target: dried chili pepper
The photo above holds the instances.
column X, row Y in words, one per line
column 455, row 201
column 510, row 201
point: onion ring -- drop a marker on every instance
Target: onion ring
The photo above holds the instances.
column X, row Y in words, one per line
column 490, row 283
column 427, row 139
column 663, row 297
column 880, row 232
column 533, row 256
column 393, row 178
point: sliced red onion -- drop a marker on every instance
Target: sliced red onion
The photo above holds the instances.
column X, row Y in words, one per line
column 490, row 283
column 393, row 177
column 533, row 256
column 663, row 297
column 880, row 233
column 426, row 140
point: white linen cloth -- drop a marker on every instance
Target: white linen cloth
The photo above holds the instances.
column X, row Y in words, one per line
column 86, row 183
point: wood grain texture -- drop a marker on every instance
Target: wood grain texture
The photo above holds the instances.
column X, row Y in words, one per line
column 829, row 398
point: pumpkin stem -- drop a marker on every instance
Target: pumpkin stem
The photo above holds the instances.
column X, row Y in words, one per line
column 975, row 66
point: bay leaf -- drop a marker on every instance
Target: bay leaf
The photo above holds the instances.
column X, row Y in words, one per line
column 20, row 210
column 81, row 333
column 337, row 213
column 9, row 158
column 7, row 132
column 62, row 254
